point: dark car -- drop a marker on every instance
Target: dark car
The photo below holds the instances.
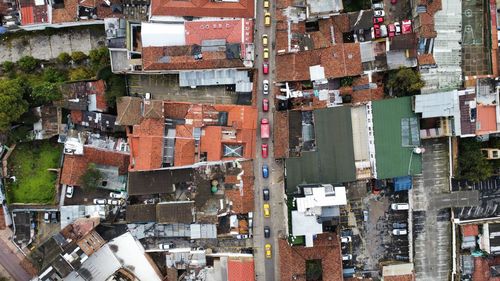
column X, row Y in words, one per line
column 398, row 225
column 265, row 192
column 267, row 232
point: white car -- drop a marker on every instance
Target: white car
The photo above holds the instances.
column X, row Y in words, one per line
column 399, row 232
column 69, row 191
column 379, row 13
column 347, row 257
column 378, row 6
column 266, row 87
column 345, row 239
column 400, row 206
column 100, row 201
column 166, row 246
column 114, row 202
column 120, row 195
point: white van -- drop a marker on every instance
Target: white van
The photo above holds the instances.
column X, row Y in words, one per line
column 399, row 232
column 400, row 206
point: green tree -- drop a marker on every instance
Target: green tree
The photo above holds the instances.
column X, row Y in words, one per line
column 99, row 57
column 115, row 89
column 46, row 92
column 91, row 178
column 12, row 104
column 54, row 75
column 80, row 73
column 78, row 56
column 28, row 64
column 472, row 165
column 8, row 66
column 64, row 58
column 404, row 82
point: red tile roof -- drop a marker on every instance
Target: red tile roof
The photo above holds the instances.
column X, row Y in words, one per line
column 233, row 31
column 76, row 116
column 240, row 270
column 181, row 58
column 129, row 111
column 75, row 165
column 184, row 151
column 69, row 12
column 486, row 119
column 99, row 87
column 470, row 230
column 406, row 277
column 338, row 61
column 293, row 260
column 426, row 19
column 281, row 134
column 482, row 268
column 426, row 59
column 146, row 145
column 176, row 110
column 243, row 201
column 32, row 14
column 203, row 8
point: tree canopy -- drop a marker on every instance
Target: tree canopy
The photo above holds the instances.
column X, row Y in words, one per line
column 12, row 104
column 91, row 178
column 472, row 165
column 404, row 82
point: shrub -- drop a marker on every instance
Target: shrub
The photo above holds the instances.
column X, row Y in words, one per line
column 64, row 58
column 54, row 75
column 8, row 66
column 28, row 64
column 78, row 56
column 80, row 73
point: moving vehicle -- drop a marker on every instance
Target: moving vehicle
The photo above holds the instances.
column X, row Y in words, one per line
column 264, row 148
column 166, row 246
column 69, row 191
column 265, row 105
column 266, row 194
column 400, row 206
column 267, row 232
column 265, row 85
column 267, row 19
column 365, row 215
column 120, row 195
column 266, row 4
column 98, row 201
column 406, row 26
column 378, row 13
column 264, row 128
column 266, row 53
column 268, row 251
column 265, row 68
column 345, row 239
column 378, row 20
column 267, row 210
column 399, row 232
column 264, row 40
column 398, row 225
column 265, row 171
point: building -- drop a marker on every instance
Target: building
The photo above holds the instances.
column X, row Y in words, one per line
column 48, row 124
column 85, row 95
column 231, row 266
column 398, row 272
column 162, row 10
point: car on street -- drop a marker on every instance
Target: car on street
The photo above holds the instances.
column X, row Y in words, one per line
column 267, row 210
column 378, row 6
column 379, row 31
column 267, row 19
column 46, row 217
column 265, row 86
column 397, row 25
column 265, row 68
column 268, row 251
column 264, row 40
column 365, row 215
column 264, row 148
column 266, row 4
column 267, row 232
column 379, row 13
column 345, row 239
column 53, row 217
column 398, row 225
column 265, row 193
column 394, row 2
column 347, row 257
column 120, row 195
column 391, row 29
column 406, row 26
column 400, row 206
column 399, row 232
column 69, row 191
column 265, row 105
column 114, row 202
column 265, row 129
column 265, row 171
column 98, row 201
column 378, row 20
column 166, row 246
column 266, row 53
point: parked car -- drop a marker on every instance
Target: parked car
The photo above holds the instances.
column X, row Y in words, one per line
column 391, row 29
column 46, row 217
column 114, row 202
column 266, row 53
column 267, row 232
column 378, row 20
column 265, row 171
column 264, row 40
column 379, row 13
column 346, row 257
column 267, row 210
column 397, row 25
column 265, row 86
column 399, row 232
column 398, row 225
column 265, row 193
column 266, row 4
column 267, row 19
column 378, row 6
column 69, row 191
column 120, row 195
column 265, row 105
column 345, row 239
column 346, row 232
column 379, row 31
column 166, row 246
column 268, row 251
column 265, row 68
column 365, row 215
column 264, row 148
column 53, row 217
column 406, row 26
column 150, row 201
column 400, row 206
column 98, row 201
column 394, row 2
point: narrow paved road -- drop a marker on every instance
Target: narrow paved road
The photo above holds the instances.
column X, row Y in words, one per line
column 267, row 269
column 11, row 263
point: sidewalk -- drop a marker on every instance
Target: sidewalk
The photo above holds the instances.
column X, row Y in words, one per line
column 12, row 259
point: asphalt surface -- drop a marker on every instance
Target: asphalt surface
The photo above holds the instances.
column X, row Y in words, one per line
column 267, row 269
column 11, row 263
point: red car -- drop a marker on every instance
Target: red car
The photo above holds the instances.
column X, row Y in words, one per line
column 265, row 105
column 265, row 68
column 393, row 2
column 406, row 26
column 391, row 29
column 264, row 150
column 378, row 20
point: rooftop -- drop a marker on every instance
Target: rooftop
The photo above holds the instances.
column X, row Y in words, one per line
column 74, row 10
column 33, row 12
column 241, row 269
column 470, row 230
column 242, row 198
column 203, row 8
column 232, row 31
column 157, row 181
column 175, row 212
column 132, row 110
column 146, row 145
column 85, row 95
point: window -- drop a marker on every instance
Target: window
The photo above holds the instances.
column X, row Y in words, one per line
column 230, row 150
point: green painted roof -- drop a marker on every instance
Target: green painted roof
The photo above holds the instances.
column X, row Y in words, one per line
column 391, row 125
column 333, row 160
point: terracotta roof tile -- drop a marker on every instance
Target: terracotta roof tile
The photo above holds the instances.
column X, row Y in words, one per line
column 211, row 142
column 470, row 230
column 406, row 277
column 467, row 126
column 74, row 166
column 426, row 59
column 146, row 145
column 281, row 134
column 76, row 116
column 100, row 91
column 184, row 151
column 482, row 268
column 153, row 109
column 203, row 8
column 176, row 110
column 129, row 111
column 33, row 14
column 241, row 270
column 486, row 119
column 230, row 30
column 243, row 200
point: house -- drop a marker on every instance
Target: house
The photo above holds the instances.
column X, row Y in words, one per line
column 398, row 272
column 239, row 267
column 84, row 95
column 132, row 110
column 48, row 124
column 147, row 145
column 165, row 212
column 193, row 8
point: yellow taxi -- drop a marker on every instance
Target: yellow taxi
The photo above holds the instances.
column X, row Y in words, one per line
column 264, row 40
column 266, row 53
column 267, row 210
column 266, row 4
column 267, row 19
column 268, row 251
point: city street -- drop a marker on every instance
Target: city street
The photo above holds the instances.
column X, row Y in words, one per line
column 10, row 261
column 265, row 268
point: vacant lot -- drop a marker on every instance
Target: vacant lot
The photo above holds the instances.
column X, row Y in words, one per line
column 30, row 164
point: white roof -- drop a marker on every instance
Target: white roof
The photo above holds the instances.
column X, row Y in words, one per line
column 308, row 226
column 317, row 72
column 397, row 269
column 100, row 265
column 442, row 104
column 318, row 198
column 73, row 212
column 162, row 34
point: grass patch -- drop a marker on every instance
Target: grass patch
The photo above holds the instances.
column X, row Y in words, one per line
column 29, row 163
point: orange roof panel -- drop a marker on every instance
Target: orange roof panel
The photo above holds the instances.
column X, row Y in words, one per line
column 486, row 119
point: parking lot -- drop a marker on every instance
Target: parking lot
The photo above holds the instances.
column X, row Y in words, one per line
column 83, row 196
